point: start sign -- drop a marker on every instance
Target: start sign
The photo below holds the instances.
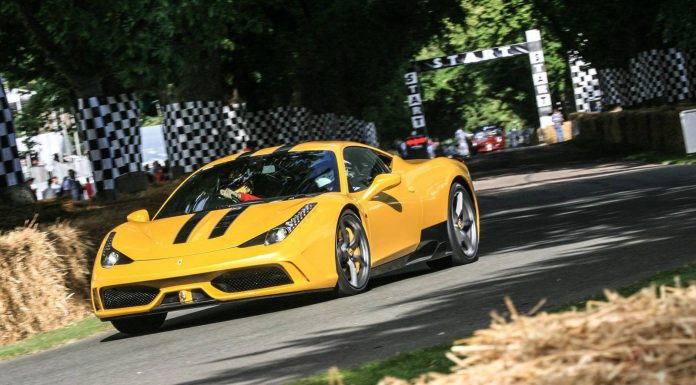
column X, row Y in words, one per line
column 531, row 47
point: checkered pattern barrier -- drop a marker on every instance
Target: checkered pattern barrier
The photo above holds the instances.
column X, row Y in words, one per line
column 690, row 59
column 235, row 132
column 656, row 74
column 585, row 83
column 194, row 133
column 198, row 132
column 614, row 83
column 10, row 167
column 111, row 130
column 287, row 125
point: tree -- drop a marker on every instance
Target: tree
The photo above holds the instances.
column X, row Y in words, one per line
column 607, row 33
column 494, row 92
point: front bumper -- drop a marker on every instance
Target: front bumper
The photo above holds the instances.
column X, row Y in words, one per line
column 181, row 282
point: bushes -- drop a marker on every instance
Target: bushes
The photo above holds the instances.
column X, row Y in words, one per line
column 657, row 129
column 44, row 280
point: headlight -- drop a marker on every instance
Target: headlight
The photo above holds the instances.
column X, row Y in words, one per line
column 111, row 256
column 281, row 232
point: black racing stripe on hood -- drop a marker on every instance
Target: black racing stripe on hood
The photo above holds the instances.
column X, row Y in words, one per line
column 188, row 227
column 226, row 221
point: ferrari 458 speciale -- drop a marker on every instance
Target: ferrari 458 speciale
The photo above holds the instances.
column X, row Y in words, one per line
column 282, row 220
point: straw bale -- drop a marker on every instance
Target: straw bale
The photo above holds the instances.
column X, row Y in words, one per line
column 73, row 250
column 643, row 339
column 33, row 296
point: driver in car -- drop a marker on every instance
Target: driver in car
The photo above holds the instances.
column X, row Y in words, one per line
column 240, row 191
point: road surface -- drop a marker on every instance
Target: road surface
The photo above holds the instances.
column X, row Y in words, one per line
column 553, row 227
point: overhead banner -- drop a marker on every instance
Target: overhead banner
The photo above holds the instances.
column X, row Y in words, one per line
column 472, row 57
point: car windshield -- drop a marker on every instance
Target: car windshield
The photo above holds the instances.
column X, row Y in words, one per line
column 255, row 179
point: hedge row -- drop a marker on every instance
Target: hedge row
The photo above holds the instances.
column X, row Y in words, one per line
column 657, row 129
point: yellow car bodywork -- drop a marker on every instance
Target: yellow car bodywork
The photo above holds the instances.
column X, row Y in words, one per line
column 394, row 223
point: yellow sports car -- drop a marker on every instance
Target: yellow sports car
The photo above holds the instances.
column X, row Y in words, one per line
column 312, row 216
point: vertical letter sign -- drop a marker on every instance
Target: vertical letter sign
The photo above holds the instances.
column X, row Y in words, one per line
column 539, row 77
column 415, row 102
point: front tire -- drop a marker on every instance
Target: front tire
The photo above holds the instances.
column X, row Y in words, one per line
column 353, row 257
column 139, row 324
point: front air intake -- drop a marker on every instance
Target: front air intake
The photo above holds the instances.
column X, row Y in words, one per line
column 251, row 278
column 127, row 296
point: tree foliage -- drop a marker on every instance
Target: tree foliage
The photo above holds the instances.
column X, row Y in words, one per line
column 494, row 92
column 345, row 56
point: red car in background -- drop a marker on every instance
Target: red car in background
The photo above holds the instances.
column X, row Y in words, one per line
column 488, row 139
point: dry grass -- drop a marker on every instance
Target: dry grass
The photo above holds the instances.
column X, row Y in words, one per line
column 43, row 280
column 647, row 338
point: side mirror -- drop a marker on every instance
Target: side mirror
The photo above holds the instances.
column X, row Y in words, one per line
column 138, row 216
column 382, row 182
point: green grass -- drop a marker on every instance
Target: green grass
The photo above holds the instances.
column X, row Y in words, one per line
column 413, row 364
column 61, row 336
column 403, row 365
column 654, row 157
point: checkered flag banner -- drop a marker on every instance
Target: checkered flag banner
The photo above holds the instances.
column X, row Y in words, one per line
column 10, row 167
column 194, row 133
column 656, row 74
column 289, row 125
column 199, row 132
column 585, row 83
column 111, row 130
column 235, row 128
column 614, row 83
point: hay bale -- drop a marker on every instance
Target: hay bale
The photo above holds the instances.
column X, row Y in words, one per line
column 588, row 129
column 33, row 296
column 614, row 133
column 643, row 339
column 72, row 250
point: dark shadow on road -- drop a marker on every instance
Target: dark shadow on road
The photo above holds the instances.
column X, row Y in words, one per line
column 616, row 229
column 557, row 157
column 254, row 307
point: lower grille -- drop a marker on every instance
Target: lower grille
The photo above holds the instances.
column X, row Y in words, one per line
column 251, row 278
column 127, row 296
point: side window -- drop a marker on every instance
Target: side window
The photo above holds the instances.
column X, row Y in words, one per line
column 362, row 166
column 387, row 160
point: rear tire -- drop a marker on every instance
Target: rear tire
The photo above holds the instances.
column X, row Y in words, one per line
column 353, row 257
column 462, row 229
column 139, row 324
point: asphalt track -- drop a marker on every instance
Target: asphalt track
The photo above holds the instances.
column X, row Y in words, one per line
column 553, row 227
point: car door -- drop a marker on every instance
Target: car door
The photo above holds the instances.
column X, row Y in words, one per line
column 393, row 216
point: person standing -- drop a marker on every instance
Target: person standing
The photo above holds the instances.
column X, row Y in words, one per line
column 89, row 189
column 157, row 172
column 557, row 119
column 48, row 192
column 513, row 137
column 71, row 186
column 462, row 145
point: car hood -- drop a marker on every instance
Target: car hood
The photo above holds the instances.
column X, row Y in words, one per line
column 202, row 232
